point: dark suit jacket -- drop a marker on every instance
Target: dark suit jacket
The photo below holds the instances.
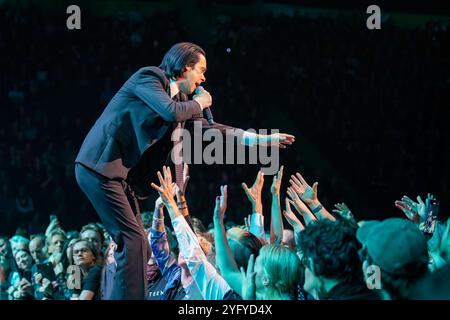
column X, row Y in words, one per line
column 136, row 118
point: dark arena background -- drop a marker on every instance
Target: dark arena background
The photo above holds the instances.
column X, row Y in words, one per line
column 369, row 108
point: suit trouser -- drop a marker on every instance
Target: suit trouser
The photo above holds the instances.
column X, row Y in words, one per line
column 119, row 212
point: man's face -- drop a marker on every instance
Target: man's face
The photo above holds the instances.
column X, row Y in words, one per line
column 94, row 237
column 56, row 243
column 82, row 255
column 193, row 76
column 312, row 282
column 37, row 250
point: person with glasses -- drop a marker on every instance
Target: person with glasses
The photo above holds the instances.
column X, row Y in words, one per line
column 88, row 273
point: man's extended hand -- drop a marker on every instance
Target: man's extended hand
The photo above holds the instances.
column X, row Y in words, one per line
column 281, row 140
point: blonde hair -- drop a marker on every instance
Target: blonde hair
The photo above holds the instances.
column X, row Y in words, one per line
column 282, row 267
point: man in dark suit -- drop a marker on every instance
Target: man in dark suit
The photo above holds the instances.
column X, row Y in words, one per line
column 146, row 107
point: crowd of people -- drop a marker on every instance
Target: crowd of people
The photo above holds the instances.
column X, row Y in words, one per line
column 381, row 96
column 323, row 255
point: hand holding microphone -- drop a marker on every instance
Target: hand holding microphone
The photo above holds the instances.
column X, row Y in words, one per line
column 205, row 100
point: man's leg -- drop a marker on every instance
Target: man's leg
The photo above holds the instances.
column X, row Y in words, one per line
column 111, row 203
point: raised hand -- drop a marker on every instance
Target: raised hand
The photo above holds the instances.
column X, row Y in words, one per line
column 306, row 193
column 276, row 183
column 254, row 193
column 343, row 210
column 221, row 203
column 291, row 218
column 166, row 189
column 295, row 200
column 425, row 208
column 248, row 280
column 415, row 211
column 159, row 202
column 409, row 208
column 54, row 224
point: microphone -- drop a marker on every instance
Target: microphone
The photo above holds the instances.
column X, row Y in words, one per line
column 207, row 111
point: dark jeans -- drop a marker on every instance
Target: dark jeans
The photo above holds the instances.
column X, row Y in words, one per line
column 119, row 212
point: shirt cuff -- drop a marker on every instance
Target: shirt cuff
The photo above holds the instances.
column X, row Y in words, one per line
column 249, row 138
column 156, row 234
column 257, row 225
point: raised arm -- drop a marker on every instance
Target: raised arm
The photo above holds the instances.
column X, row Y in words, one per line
column 159, row 242
column 212, row 286
column 308, row 195
column 276, row 220
column 224, row 257
column 298, row 204
column 180, row 192
column 256, row 223
column 294, row 222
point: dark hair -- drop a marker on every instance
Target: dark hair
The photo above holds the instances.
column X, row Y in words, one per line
column 90, row 246
column 94, row 227
column 25, row 250
column 23, row 273
column 333, row 248
column 179, row 56
column 243, row 245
